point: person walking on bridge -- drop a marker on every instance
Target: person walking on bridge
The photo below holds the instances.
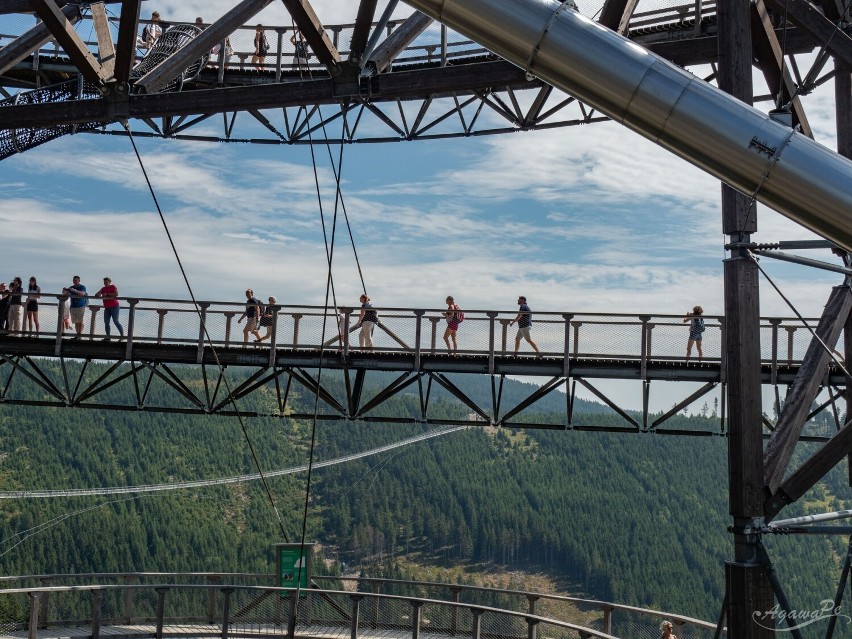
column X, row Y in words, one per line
column 79, row 301
column 109, row 294
column 367, row 320
column 453, row 315
column 524, row 320
column 251, row 315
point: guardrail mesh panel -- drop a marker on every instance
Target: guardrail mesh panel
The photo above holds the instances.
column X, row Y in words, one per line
column 256, row 610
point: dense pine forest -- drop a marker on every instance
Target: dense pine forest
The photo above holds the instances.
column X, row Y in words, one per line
column 635, row 518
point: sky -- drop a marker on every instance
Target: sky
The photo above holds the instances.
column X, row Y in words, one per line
column 583, row 219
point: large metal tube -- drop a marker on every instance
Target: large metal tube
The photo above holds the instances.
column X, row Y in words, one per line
column 729, row 139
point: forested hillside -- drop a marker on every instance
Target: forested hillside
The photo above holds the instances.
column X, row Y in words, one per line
column 638, row 519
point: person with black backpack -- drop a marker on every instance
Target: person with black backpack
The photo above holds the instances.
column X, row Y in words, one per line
column 696, row 329
column 454, row 317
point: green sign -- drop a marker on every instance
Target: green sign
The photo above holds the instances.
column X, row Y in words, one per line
column 294, row 565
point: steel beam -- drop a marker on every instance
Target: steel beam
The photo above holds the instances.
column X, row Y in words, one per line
column 397, row 41
column 616, row 14
column 312, row 30
column 106, row 48
column 805, row 388
column 770, row 56
column 126, row 47
column 366, row 11
column 63, row 30
column 31, row 41
column 823, row 31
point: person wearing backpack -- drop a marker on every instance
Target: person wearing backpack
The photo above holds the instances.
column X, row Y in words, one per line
column 696, row 328
column 454, row 317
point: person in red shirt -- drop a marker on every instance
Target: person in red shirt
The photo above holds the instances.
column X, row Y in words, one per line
column 109, row 294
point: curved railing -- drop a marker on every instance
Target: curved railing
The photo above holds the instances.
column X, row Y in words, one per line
column 234, row 605
column 579, row 335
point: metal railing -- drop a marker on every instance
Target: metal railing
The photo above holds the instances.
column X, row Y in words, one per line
column 230, row 605
column 418, row 332
column 435, row 44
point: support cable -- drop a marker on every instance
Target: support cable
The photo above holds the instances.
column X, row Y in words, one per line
column 804, row 322
column 206, row 334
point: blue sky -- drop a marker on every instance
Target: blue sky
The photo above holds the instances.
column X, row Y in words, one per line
column 583, row 219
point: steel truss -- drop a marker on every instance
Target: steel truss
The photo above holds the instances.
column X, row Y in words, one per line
column 420, row 96
column 128, row 385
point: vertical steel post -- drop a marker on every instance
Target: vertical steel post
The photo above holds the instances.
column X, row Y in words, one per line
column 607, row 619
column 356, row 615
column 161, row 610
column 226, row 609
column 454, row 611
column 418, row 331
column 492, row 315
column 131, row 323
column 211, row 598
column 34, row 613
column 273, row 336
column 296, row 318
column 229, row 317
column 476, row 623
column 96, row 613
column 531, row 623
column 202, row 330
column 60, row 323
column 416, row 614
column 160, row 321
column 566, row 356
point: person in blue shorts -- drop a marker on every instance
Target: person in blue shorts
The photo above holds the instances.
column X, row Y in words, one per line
column 696, row 328
column 524, row 320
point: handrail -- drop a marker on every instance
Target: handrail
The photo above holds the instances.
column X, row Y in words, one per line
column 636, row 337
column 389, row 617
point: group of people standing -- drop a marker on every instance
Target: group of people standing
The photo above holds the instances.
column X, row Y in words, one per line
column 14, row 308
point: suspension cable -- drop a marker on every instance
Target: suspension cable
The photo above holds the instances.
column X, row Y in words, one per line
column 804, row 322
column 207, row 337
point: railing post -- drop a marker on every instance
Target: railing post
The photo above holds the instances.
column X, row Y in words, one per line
column 161, row 609
column 347, row 323
column 416, row 612
column 45, row 602
column 199, row 357
column 531, row 625
column 576, row 326
column 296, row 318
column 280, row 55
column 723, row 370
column 504, row 336
column 128, row 601
column 374, row 623
column 566, row 356
column 443, row 45
column 92, row 319
column 211, row 599
column 418, row 332
column 492, row 316
column 96, row 613
column 607, row 619
column 226, row 610
column 454, row 611
column 131, row 322
column 476, row 623
column 434, row 340
column 160, row 321
column 643, row 360
column 294, row 612
column 790, row 330
column 60, row 323
column 356, row 615
column 774, row 370
column 229, row 317
column 34, row 614
column 273, row 336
